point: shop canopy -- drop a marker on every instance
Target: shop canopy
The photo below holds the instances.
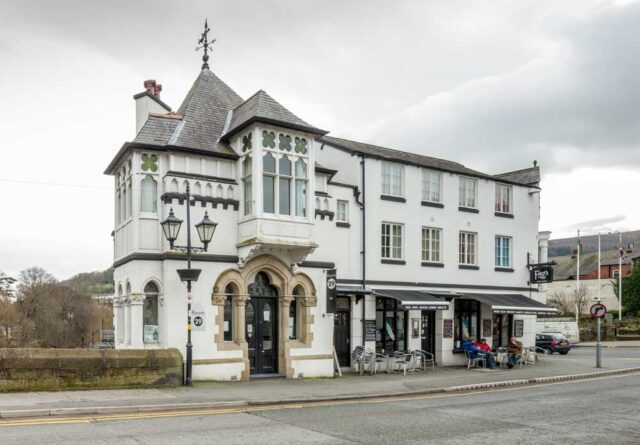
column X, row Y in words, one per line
column 414, row 299
column 512, row 304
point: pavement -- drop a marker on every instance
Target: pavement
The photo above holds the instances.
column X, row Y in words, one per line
column 611, row 344
column 580, row 363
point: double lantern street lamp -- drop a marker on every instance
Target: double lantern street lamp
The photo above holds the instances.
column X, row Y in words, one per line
column 171, row 228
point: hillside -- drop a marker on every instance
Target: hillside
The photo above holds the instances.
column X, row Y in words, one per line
column 566, row 246
column 88, row 283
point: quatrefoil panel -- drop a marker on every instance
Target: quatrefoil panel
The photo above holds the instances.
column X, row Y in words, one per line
column 268, row 139
column 246, row 142
column 149, row 163
column 301, row 145
column 285, row 142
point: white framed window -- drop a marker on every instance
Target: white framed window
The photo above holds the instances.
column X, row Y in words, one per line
column 431, row 186
column 503, row 251
column 247, row 185
column 269, row 183
column 504, row 195
column 342, row 211
column 392, row 238
column 392, row 179
column 467, row 246
column 431, row 244
column 301, row 187
column 468, row 192
column 148, row 195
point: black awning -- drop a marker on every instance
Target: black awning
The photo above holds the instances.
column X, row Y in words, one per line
column 512, row 304
column 413, row 299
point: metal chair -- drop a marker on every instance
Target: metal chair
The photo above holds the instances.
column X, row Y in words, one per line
column 425, row 358
column 403, row 361
column 476, row 361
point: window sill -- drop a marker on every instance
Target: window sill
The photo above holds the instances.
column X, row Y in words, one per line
column 392, row 198
column 503, row 269
column 432, row 204
column 504, row 215
column 468, row 267
column 429, row 264
column 397, row 262
column 343, row 224
column 468, row 209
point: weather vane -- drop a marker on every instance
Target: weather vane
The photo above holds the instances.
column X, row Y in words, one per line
column 204, row 43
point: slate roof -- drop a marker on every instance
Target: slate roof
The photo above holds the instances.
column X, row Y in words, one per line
column 403, row 156
column 263, row 108
column 566, row 267
column 157, row 130
column 530, row 176
column 204, row 112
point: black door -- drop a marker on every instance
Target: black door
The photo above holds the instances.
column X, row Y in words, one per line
column 341, row 334
column 261, row 318
column 261, row 328
column 428, row 331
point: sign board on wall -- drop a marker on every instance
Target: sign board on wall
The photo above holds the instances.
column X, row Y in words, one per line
column 197, row 318
column 447, row 328
column 369, row 330
column 486, row 328
column 518, row 328
column 331, row 291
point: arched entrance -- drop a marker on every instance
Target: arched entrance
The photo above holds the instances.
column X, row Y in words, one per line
column 261, row 326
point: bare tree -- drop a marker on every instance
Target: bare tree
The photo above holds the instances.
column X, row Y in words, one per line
column 581, row 299
column 563, row 301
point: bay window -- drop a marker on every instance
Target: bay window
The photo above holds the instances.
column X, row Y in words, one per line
column 284, row 185
column 149, row 191
column 301, row 187
column 268, row 183
column 248, row 185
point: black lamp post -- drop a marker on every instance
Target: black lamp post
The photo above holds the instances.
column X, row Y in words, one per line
column 206, row 229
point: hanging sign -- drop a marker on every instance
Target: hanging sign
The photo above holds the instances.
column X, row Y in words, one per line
column 331, row 291
column 541, row 274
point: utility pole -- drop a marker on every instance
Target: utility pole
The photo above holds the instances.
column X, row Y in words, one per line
column 598, row 346
column 578, row 284
column 620, row 254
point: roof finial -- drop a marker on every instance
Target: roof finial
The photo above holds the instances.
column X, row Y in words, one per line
column 205, row 44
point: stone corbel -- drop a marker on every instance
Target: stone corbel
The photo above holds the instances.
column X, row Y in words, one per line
column 311, row 301
column 136, row 298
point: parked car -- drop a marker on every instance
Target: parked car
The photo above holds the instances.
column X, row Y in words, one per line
column 553, row 342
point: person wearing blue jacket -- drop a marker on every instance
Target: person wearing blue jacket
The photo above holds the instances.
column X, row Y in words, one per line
column 476, row 352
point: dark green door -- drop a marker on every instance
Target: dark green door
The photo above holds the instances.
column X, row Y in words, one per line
column 261, row 318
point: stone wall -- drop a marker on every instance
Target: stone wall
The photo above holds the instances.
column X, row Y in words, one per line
column 55, row 369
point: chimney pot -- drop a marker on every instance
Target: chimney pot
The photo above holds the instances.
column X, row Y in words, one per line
column 150, row 86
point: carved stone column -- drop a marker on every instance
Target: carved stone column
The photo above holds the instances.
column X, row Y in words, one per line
column 136, row 339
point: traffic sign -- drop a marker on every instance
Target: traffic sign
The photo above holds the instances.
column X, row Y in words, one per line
column 189, row 298
column 598, row 310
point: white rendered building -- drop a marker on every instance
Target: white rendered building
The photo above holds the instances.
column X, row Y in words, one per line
column 426, row 251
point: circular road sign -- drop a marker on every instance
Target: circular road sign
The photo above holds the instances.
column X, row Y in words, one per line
column 198, row 321
column 189, row 298
column 598, row 310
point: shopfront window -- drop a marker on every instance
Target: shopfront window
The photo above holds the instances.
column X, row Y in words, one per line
column 466, row 321
column 390, row 326
column 150, row 313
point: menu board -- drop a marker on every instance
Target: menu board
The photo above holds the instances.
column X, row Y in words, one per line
column 518, row 328
column 447, row 328
column 486, row 328
column 369, row 330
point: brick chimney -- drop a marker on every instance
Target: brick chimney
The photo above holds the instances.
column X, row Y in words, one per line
column 149, row 102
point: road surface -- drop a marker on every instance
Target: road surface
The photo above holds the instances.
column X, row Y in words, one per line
column 597, row 411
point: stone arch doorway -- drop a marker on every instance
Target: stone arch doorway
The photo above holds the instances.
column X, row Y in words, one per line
column 293, row 294
column 261, row 326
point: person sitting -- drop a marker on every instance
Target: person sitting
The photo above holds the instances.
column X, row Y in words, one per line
column 475, row 352
column 482, row 344
column 514, row 348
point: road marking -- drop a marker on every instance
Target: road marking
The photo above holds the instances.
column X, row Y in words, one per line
column 275, row 407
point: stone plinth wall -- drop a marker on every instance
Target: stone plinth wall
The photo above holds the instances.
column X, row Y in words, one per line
column 55, row 369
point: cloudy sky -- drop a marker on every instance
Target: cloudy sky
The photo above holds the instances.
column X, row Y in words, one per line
column 491, row 84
